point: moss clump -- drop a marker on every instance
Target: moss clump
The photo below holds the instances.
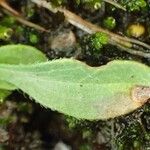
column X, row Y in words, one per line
column 92, row 44
column 5, row 33
column 133, row 136
column 109, row 23
column 134, row 5
column 33, row 38
column 98, row 40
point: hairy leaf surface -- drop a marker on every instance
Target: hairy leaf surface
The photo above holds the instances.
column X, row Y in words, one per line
column 20, row 54
column 17, row 54
column 73, row 88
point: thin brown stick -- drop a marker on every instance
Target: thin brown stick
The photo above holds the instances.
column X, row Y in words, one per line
column 91, row 28
column 5, row 5
column 26, row 22
column 10, row 11
column 115, row 4
column 124, row 43
column 134, row 52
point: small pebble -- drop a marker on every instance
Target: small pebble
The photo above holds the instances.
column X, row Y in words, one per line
column 63, row 41
column 61, row 146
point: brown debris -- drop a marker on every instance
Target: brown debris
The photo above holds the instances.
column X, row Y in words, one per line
column 63, row 41
column 141, row 94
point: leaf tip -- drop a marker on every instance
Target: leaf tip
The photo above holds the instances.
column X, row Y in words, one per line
column 140, row 94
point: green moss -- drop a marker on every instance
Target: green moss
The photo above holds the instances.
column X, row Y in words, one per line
column 5, row 121
column 8, row 21
column 109, row 23
column 98, row 40
column 33, row 38
column 132, row 136
column 92, row 44
column 5, row 33
column 19, row 30
column 96, row 4
column 72, row 122
column 134, row 5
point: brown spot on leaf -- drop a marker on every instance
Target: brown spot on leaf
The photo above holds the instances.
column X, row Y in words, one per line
column 140, row 94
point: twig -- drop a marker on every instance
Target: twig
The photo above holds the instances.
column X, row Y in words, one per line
column 25, row 22
column 134, row 41
column 123, row 43
column 5, row 5
column 91, row 28
column 115, row 4
column 134, row 52
column 10, row 11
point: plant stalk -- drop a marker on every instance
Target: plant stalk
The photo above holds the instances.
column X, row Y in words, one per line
column 124, row 43
column 10, row 11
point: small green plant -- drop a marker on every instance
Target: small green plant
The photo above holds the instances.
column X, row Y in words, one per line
column 134, row 5
column 109, row 23
column 71, row 87
column 33, row 38
column 5, row 33
column 93, row 44
column 97, row 40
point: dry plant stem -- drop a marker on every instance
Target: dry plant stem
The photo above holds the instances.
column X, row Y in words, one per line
column 91, row 28
column 25, row 22
column 133, row 41
column 115, row 4
column 5, row 5
column 76, row 20
column 124, row 43
column 45, row 4
column 134, row 52
column 10, row 11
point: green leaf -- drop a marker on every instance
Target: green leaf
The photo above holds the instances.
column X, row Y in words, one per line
column 17, row 54
column 20, row 54
column 73, row 88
